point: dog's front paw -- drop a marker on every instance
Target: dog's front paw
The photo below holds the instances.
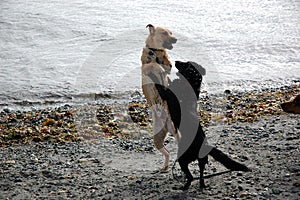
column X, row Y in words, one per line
column 186, row 186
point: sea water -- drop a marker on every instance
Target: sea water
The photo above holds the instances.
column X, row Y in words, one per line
column 68, row 51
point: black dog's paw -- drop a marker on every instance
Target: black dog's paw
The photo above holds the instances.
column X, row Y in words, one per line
column 187, row 185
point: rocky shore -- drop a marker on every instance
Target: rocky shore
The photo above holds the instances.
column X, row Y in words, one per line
column 102, row 151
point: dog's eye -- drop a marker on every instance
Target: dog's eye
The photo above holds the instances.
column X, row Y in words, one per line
column 165, row 33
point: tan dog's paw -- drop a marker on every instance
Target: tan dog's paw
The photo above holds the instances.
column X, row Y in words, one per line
column 164, row 169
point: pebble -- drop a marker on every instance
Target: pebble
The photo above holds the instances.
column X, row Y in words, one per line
column 240, row 187
column 265, row 135
column 276, row 191
column 244, row 194
column 296, row 184
column 82, row 160
column 227, row 182
column 8, row 162
column 138, row 181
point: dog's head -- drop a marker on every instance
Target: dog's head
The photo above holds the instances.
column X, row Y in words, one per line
column 292, row 106
column 160, row 38
column 192, row 72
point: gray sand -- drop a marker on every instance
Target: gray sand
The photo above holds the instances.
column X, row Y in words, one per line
column 115, row 169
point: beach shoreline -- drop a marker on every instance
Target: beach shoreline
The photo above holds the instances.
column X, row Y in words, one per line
column 130, row 117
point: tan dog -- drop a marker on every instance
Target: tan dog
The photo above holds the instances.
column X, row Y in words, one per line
column 292, row 106
column 155, row 69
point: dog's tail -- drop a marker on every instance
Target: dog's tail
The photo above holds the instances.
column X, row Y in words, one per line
column 227, row 162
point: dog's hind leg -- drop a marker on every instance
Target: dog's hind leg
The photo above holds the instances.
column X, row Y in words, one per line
column 188, row 176
column 166, row 153
column 159, row 139
column 201, row 163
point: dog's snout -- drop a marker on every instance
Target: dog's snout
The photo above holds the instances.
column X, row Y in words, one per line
column 173, row 40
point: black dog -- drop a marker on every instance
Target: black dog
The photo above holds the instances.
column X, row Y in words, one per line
column 181, row 96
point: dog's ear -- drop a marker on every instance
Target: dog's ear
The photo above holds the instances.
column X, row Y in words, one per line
column 200, row 69
column 151, row 28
